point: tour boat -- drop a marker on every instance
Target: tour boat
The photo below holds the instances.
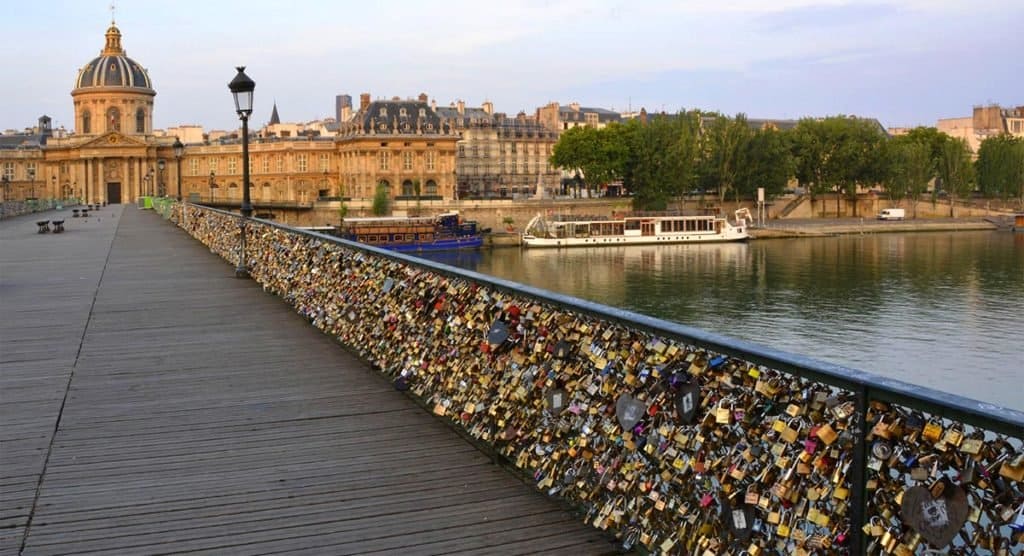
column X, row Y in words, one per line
column 634, row 228
column 411, row 234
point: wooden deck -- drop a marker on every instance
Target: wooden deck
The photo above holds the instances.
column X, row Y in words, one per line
column 152, row 403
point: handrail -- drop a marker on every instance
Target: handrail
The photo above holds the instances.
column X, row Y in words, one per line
column 827, row 440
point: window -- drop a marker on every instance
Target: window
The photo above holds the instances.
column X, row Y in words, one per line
column 301, row 164
column 383, row 112
column 266, row 165
column 515, row 167
column 431, row 187
column 462, row 151
column 401, row 112
column 232, row 166
column 30, row 170
column 213, row 164
column 423, row 112
column 384, row 160
column 280, row 164
column 513, row 148
column 8, row 172
column 193, row 167
column 407, row 160
column 113, row 119
column 324, row 162
column 407, row 188
column 431, row 160
column 86, row 122
column 140, row 121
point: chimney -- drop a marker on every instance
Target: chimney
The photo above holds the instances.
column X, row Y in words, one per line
column 433, row 104
column 575, row 106
column 422, row 97
column 488, row 107
column 364, row 102
column 461, row 107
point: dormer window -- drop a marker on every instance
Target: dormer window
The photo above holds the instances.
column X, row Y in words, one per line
column 423, row 112
column 383, row 112
column 401, row 112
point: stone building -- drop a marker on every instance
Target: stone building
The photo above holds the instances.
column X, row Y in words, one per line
column 559, row 118
column 403, row 145
column 112, row 155
column 498, row 156
column 984, row 122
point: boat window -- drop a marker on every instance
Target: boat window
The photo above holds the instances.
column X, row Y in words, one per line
column 632, row 224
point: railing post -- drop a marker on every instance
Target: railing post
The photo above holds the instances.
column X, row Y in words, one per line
column 858, row 468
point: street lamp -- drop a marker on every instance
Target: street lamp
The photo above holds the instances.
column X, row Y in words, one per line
column 32, row 176
column 6, row 183
column 160, row 179
column 212, row 185
column 53, row 183
column 241, row 88
column 179, row 150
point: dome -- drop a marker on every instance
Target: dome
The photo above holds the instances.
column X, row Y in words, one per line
column 112, row 68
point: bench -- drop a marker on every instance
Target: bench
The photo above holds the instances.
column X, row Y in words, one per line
column 74, row 212
column 58, row 226
column 44, row 226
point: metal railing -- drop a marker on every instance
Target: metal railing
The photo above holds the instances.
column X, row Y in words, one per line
column 679, row 440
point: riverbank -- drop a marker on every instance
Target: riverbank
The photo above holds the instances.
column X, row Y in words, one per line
column 779, row 229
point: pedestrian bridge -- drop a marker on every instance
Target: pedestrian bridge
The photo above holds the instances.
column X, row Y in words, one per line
column 152, row 403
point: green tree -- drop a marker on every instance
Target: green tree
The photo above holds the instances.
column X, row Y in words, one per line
column 1000, row 167
column 812, row 153
column 725, row 138
column 662, row 156
column 859, row 156
column 381, row 200
column 764, row 161
column 910, row 170
column 956, row 171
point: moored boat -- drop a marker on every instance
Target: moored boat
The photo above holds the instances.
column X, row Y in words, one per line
column 634, row 228
column 410, row 234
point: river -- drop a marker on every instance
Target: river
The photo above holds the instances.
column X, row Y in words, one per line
column 940, row 309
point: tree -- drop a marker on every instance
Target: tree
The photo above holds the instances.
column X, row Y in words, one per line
column 725, row 139
column 812, row 152
column 910, row 170
column 858, row 156
column 764, row 161
column 381, row 200
column 1000, row 167
column 956, row 171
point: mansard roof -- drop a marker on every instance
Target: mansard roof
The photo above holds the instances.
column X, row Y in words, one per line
column 398, row 117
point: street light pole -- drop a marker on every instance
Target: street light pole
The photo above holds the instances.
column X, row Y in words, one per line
column 160, row 187
column 179, row 150
column 212, row 185
column 32, row 177
column 241, row 89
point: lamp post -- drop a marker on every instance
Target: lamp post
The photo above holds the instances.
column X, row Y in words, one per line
column 179, row 151
column 241, row 88
column 32, row 177
column 212, row 185
column 6, row 183
column 160, row 187
column 53, row 184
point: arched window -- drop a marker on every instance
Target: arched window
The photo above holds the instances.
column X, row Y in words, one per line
column 86, row 122
column 113, row 120
column 431, row 187
column 140, row 121
column 407, row 188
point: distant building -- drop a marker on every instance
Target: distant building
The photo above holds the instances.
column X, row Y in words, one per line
column 985, row 122
column 559, row 118
column 342, row 108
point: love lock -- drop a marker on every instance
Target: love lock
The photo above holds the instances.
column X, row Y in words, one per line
column 936, row 519
column 629, row 411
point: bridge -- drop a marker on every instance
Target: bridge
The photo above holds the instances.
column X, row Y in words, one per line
column 152, row 403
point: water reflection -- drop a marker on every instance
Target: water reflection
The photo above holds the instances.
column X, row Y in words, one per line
column 941, row 309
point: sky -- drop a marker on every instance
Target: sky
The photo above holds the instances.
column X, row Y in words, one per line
column 905, row 62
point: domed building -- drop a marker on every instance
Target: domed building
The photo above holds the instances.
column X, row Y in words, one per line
column 112, row 155
column 113, row 93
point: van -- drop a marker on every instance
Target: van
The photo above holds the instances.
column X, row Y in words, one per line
column 892, row 214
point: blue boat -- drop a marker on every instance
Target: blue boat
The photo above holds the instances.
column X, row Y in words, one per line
column 443, row 232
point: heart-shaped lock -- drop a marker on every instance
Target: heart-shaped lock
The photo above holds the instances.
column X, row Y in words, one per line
column 629, row 411
column 687, row 402
column 939, row 519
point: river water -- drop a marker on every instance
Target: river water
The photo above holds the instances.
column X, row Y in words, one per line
column 940, row 309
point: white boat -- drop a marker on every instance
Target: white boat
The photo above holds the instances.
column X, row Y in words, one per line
column 634, row 228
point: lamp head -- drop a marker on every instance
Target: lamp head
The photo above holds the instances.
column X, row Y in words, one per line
column 179, row 149
column 241, row 88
